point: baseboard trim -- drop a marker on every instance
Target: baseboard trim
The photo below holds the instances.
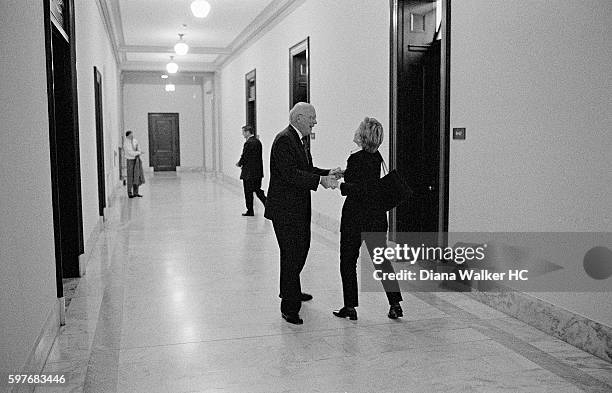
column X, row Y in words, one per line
column 577, row 330
column 89, row 244
column 40, row 351
column 120, row 187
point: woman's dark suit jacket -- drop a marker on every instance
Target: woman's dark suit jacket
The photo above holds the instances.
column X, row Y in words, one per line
column 358, row 215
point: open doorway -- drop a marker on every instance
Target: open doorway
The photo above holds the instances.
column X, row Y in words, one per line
column 419, row 113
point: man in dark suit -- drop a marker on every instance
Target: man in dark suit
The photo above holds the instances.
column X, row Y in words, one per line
column 292, row 177
column 252, row 169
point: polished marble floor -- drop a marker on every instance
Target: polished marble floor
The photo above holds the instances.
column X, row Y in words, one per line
column 181, row 292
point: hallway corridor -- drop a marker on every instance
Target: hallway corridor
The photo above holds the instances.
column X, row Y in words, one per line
column 181, row 291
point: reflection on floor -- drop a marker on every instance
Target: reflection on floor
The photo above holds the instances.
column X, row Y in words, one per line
column 181, row 296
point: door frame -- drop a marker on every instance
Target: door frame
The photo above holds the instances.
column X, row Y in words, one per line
column 98, row 107
column 177, row 158
column 445, row 64
column 302, row 46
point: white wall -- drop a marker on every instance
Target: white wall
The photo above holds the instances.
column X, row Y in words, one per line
column 141, row 99
column 27, row 273
column 531, row 82
column 94, row 49
column 349, row 79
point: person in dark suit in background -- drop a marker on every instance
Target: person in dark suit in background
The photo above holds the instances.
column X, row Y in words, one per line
column 252, row 169
column 358, row 215
column 292, row 177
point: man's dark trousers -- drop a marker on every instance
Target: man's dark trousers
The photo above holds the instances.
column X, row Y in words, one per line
column 252, row 172
column 292, row 178
column 294, row 242
column 253, row 186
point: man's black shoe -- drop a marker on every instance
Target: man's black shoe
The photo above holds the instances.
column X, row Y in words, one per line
column 304, row 297
column 248, row 214
column 292, row 318
column 131, row 196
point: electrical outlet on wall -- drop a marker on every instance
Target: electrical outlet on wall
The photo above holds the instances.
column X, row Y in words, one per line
column 458, row 133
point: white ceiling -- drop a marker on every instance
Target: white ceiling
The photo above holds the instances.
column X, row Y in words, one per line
column 143, row 32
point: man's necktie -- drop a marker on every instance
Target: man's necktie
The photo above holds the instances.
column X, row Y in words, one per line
column 306, row 143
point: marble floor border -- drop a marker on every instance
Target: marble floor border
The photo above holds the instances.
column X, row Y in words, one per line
column 581, row 332
column 576, row 377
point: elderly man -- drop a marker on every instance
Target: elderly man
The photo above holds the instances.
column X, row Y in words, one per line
column 292, row 177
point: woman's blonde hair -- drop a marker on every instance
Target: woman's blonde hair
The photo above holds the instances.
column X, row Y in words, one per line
column 370, row 134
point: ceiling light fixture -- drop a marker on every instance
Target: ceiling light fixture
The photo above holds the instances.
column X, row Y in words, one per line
column 181, row 48
column 172, row 67
column 200, row 8
column 170, row 87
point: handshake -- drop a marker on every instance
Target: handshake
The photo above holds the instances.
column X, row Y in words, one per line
column 331, row 180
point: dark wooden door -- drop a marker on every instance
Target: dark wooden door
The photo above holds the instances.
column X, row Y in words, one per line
column 251, row 100
column 100, row 141
column 417, row 134
column 300, row 78
column 299, row 73
column 164, row 152
column 64, row 146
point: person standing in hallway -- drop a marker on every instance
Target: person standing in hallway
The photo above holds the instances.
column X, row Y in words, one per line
column 135, row 175
column 359, row 216
column 252, row 169
column 292, row 177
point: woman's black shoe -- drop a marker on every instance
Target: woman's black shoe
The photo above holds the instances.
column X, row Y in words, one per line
column 395, row 311
column 344, row 312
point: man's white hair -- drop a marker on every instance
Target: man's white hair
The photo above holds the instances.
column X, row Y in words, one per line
column 301, row 108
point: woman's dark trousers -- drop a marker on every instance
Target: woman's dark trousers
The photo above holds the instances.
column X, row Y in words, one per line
column 350, row 243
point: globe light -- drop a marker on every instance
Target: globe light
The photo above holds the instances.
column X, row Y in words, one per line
column 172, row 67
column 181, row 48
column 200, row 8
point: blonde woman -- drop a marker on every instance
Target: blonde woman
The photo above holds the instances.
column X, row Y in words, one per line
column 358, row 216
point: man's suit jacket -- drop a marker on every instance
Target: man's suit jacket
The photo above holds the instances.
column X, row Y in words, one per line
column 250, row 160
column 292, row 176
